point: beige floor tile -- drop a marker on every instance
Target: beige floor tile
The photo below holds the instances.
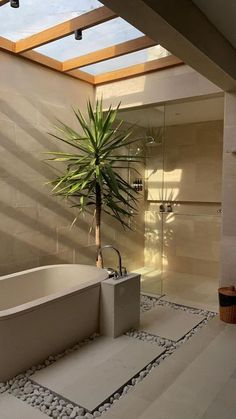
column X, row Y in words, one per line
column 187, row 289
column 197, row 381
column 168, row 409
column 168, row 323
column 128, row 407
column 168, row 371
column 188, row 352
column 89, row 376
column 158, row 381
column 198, row 385
column 219, row 410
column 234, row 372
column 185, row 301
column 224, row 405
column 13, row 408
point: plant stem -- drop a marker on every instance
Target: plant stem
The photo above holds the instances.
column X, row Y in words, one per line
column 98, row 224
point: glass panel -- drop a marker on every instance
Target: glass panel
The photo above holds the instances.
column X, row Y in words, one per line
column 128, row 60
column 100, row 36
column 153, row 246
column 192, row 194
column 36, row 15
column 149, row 128
column 151, row 280
column 182, row 200
column 191, row 256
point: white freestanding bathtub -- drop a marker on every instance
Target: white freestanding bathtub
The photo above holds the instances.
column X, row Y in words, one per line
column 45, row 310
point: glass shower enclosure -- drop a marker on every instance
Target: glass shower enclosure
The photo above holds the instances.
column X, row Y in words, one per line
column 182, row 208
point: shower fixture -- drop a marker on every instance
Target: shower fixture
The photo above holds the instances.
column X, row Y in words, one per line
column 141, row 148
column 15, row 3
column 122, row 271
column 154, row 136
column 165, row 207
column 138, row 184
column 78, row 34
column 149, row 140
column 162, row 208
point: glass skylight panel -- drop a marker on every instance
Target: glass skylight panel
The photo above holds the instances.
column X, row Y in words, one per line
column 97, row 37
column 127, row 60
column 36, row 15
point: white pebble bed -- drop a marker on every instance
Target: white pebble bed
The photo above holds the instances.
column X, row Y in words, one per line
column 56, row 406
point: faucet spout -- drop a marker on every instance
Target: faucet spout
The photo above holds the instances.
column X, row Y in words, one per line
column 109, row 246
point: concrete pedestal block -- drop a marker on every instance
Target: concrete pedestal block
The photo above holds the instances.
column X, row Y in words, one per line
column 120, row 305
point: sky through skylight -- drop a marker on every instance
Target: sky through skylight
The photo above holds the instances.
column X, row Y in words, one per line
column 100, row 36
column 36, row 15
column 127, row 60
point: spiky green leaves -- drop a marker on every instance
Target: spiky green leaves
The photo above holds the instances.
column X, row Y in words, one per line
column 100, row 152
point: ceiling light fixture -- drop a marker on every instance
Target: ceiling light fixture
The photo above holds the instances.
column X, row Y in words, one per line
column 78, row 34
column 15, row 3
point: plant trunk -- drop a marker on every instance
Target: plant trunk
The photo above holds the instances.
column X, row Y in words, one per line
column 98, row 224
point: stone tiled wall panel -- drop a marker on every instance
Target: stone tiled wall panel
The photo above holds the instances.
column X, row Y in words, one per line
column 192, row 163
column 34, row 225
column 228, row 275
column 191, row 178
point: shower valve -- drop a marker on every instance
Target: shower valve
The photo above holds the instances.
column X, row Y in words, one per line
column 138, row 185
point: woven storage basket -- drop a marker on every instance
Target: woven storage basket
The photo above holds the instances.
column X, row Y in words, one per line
column 227, row 301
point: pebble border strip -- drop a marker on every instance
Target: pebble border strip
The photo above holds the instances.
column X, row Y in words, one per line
column 55, row 406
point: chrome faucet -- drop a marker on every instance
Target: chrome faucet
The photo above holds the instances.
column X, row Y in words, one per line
column 121, row 269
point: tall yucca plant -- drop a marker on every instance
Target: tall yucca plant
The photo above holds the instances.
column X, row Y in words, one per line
column 91, row 176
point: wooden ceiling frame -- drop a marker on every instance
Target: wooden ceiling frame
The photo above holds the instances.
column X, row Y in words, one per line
column 104, row 54
column 6, row 44
column 2, row 2
column 24, row 48
column 84, row 21
column 138, row 69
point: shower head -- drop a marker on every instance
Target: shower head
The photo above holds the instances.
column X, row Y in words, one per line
column 150, row 140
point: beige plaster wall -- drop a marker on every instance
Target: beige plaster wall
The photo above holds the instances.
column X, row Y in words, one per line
column 175, row 83
column 192, row 182
column 35, row 226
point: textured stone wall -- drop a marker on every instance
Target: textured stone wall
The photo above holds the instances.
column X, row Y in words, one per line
column 192, row 182
column 228, row 275
column 35, row 226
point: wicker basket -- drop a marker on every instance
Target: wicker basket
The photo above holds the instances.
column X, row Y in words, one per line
column 227, row 301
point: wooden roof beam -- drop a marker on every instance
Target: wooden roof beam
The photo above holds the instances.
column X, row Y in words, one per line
column 108, row 53
column 84, row 21
column 7, row 44
column 81, row 75
column 2, row 2
column 56, row 65
column 42, row 59
column 138, row 69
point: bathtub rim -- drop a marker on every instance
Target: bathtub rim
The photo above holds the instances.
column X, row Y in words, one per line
column 51, row 298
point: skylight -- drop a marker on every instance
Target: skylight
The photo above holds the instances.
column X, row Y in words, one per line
column 36, row 15
column 128, row 60
column 43, row 31
column 100, row 36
